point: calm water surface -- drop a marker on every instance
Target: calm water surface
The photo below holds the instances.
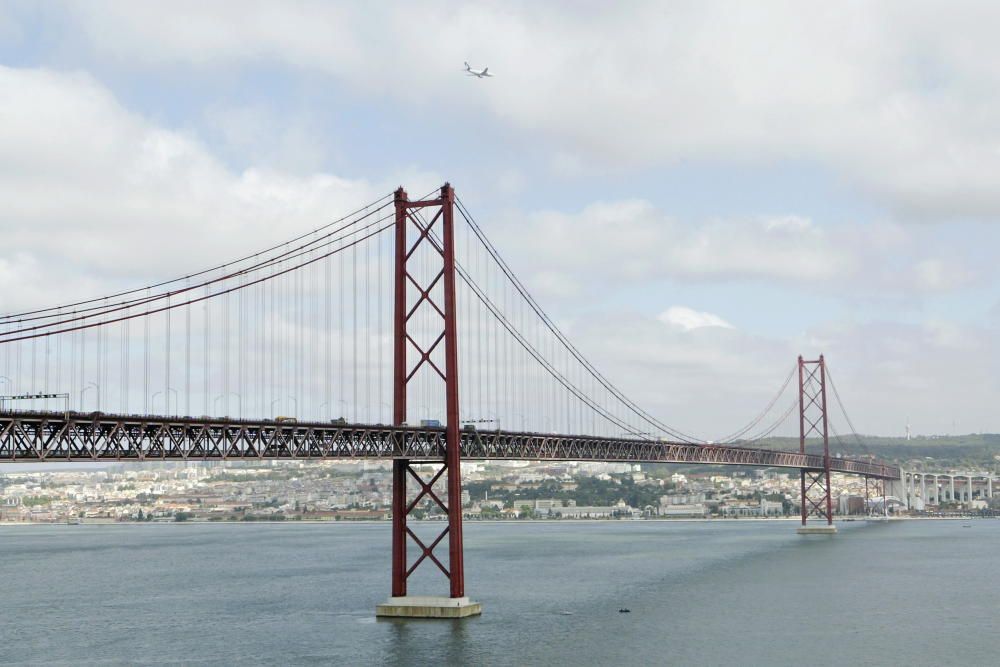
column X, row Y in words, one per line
column 914, row 593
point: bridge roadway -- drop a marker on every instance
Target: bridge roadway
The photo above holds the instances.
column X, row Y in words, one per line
column 31, row 437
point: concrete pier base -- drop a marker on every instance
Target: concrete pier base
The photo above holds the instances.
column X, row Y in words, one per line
column 423, row 606
column 817, row 530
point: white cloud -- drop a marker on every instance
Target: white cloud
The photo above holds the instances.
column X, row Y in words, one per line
column 898, row 98
column 704, row 381
column 96, row 196
column 686, row 319
column 254, row 135
column 632, row 242
column 710, row 380
column 935, row 275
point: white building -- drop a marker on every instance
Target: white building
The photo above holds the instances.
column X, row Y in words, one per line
column 598, row 512
column 690, row 511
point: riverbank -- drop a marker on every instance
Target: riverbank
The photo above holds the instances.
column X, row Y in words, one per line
column 354, row 522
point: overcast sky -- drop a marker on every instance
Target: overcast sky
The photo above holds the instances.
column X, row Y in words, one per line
column 699, row 191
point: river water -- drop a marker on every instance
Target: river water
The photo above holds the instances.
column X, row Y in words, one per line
column 722, row 593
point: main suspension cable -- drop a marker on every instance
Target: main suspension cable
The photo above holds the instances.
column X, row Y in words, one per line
column 566, row 343
column 10, row 316
column 288, row 255
column 212, row 295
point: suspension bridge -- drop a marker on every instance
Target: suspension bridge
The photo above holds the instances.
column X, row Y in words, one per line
column 396, row 332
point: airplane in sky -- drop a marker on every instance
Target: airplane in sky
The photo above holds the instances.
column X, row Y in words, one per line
column 477, row 73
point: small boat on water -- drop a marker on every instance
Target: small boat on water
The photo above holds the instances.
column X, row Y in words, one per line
column 623, row 610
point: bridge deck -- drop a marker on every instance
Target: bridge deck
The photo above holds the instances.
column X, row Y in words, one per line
column 31, row 437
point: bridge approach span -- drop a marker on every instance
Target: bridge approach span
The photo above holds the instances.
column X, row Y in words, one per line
column 31, row 437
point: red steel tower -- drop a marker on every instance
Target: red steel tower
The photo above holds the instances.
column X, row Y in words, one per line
column 416, row 232
column 814, row 482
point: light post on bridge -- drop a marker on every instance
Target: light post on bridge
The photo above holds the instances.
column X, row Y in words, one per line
column 215, row 403
column 10, row 384
column 167, row 400
column 523, row 421
column 95, row 386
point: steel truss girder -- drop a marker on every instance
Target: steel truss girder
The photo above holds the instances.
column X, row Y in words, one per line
column 31, row 437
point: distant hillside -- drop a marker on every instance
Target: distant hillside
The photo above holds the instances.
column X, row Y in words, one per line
column 974, row 449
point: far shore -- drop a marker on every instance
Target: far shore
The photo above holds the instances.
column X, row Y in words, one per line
column 790, row 519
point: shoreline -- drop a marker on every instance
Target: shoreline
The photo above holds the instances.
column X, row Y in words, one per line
column 111, row 522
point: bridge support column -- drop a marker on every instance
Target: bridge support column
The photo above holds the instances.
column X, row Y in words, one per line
column 814, row 483
column 867, row 497
column 399, row 468
column 416, row 238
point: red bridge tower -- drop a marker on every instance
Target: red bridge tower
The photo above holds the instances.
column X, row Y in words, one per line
column 416, row 235
column 814, row 482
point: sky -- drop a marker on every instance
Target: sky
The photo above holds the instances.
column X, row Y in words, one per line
column 697, row 191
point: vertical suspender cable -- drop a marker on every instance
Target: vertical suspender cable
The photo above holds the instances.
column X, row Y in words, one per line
column 239, row 346
column 354, row 322
column 166, row 373
column 126, row 373
column 187, row 356
column 368, row 334
column 145, row 362
column 33, row 387
column 327, row 337
column 226, row 356
column 340, row 337
column 207, row 367
column 380, row 333
column 58, row 384
column 272, row 380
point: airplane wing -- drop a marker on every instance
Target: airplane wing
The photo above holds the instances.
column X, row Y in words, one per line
column 477, row 73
